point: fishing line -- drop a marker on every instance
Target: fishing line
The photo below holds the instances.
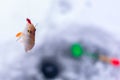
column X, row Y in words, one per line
column 77, row 51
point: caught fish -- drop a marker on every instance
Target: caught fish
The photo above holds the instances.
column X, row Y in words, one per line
column 27, row 37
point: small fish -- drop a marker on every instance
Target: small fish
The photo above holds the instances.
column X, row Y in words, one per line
column 27, row 37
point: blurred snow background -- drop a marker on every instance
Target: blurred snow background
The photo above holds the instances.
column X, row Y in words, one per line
column 58, row 12
column 51, row 14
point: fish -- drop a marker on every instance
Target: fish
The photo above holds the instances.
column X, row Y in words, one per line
column 27, row 37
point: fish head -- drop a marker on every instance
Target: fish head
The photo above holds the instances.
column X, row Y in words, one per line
column 30, row 27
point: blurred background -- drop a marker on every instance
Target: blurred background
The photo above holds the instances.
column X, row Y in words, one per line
column 55, row 12
column 58, row 20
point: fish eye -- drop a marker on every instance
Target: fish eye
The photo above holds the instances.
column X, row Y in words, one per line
column 29, row 31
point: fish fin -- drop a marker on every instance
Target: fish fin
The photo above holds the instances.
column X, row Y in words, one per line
column 19, row 34
column 19, row 39
column 28, row 20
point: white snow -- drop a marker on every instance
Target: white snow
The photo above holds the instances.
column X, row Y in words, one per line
column 55, row 15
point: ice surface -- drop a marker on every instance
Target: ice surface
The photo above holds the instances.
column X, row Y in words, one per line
column 93, row 23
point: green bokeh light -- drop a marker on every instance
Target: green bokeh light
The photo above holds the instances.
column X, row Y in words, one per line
column 77, row 50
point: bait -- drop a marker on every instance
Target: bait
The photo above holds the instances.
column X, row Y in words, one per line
column 27, row 37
